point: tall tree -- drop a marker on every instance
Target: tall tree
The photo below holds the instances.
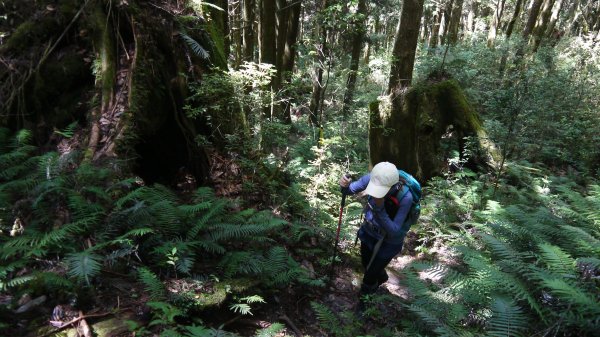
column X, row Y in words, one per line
column 405, row 46
column 268, row 49
column 513, row 20
column 532, row 18
column 550, row 31
column 319, row 64
column 496, row 17
column 455, row 21
column 268, row 35
column 470, row 25
column 236, row 32
column 435, row 30
column 289, row 53
column 386, row 145
column 358, row 35
column 539, row 30
column 220, row 18
column 446, row 21
column 248, row 30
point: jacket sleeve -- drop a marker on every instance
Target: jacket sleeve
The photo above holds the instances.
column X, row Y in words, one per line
column 357, row 186
column 394, row 227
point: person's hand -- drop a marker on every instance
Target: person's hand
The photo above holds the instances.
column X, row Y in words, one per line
column 345, row 181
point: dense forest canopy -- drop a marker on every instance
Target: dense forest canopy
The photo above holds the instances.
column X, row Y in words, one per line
column 171, row 167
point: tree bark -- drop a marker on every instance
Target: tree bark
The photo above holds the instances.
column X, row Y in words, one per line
column 446, row 21
column 317, row 77
column 541, row 24
column 281, row 19
column 497, row 16
column 221, row 23
column 141, row 88
column 391, row 128
column 405, row 46
column 248, row 30
column 532, row 18
column 455, row 22
column 289, row 54
column 471, row 16
column 236, row 33
column 550, row 31
column 358, row 35
column 511, row 24
column 435, row 30
column 268, row 34
column 268, row 47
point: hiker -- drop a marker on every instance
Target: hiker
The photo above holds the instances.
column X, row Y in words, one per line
column 378, row 228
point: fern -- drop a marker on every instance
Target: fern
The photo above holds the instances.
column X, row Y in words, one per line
column 83, row 265
column 507, row 319
column 68, row 131
column 53, row 281
column 582, row 242
column 325, row 316
column 241, row 308
column 200, row 331
column 152, row 284
column 274, row 330
column 557, row 260
column 196, row 47
column 571, row 293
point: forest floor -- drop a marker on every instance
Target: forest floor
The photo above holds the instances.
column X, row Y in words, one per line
column 118, row 298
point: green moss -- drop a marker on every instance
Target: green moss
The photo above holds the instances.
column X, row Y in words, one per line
column 103, row 40
column 217, row 56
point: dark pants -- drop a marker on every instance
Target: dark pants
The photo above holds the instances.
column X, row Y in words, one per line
column 376, row 273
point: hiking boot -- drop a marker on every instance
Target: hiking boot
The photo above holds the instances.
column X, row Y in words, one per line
column 382, row 278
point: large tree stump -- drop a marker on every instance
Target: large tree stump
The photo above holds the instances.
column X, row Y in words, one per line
column 408, row 129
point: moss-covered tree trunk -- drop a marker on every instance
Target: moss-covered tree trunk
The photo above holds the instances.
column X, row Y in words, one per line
column 411, row 132
column 119, row 71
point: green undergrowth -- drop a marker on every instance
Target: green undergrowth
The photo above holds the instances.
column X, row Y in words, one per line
column 518, row 259
column 67, row 225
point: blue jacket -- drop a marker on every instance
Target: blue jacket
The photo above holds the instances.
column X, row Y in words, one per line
column 378, row 222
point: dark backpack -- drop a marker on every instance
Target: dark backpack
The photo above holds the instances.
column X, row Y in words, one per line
column 392, row 202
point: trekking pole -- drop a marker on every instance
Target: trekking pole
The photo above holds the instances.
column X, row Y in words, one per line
column 337, row 234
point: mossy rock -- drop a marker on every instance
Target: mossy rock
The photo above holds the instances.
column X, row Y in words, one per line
column 220, row 292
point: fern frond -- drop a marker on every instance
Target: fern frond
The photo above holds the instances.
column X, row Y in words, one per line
column 274, row 330
column 208, row 246
column 581, row 241
column 203, row 194
column 53, row 280
column 17, row 281
column 23, row 137
column 570, row 293
column 325, row 316
column 246, row 262
column 501, row 249
column 195, row 208
column 241, row 308
column 557, row 260
column 83, row 265
column 196, row 47
column 152, row 284
column 507, row 319
column 429, row 317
